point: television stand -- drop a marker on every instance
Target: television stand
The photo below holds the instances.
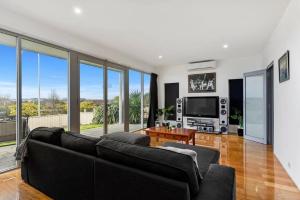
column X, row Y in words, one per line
column 205, row 125
column 214, row 132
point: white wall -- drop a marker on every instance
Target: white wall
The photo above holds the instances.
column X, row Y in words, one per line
column 287, row 94
column 226, row 69
column 39, row 30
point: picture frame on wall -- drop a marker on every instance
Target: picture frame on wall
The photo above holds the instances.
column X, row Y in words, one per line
column 202, row 83
column 284, row 67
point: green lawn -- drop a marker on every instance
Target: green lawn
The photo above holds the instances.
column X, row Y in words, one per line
column 7, row 143
column 89, row 126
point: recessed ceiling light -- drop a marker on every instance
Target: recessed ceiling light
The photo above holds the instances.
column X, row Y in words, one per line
column 77, row 10
column 160, row 57
column 225, row 46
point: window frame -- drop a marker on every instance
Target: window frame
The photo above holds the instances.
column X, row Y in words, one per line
column 74, row 83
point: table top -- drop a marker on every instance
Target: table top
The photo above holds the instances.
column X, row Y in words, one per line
column 176, row 131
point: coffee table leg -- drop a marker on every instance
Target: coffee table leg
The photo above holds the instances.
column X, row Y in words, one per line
column 194, row 140
column 187, row 141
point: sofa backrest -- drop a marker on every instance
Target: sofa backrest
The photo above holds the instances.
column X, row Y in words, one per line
column 47, row 135
column 80, row 143
column 158, row 161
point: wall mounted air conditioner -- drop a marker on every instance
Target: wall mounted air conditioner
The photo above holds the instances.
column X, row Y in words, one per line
column 202, row 65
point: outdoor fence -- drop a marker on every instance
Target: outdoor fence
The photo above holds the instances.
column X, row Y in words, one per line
column 8, row 128
column 60, row 120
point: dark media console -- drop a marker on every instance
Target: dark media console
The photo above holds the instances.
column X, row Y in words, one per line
column 202, row 126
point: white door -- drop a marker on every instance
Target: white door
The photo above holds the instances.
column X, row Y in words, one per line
column 255, row 106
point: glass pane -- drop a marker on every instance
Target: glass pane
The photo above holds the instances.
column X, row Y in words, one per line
column 91, row 99
column 255, row 107
column 7, row 101
column 115, row 96
column 146, row 98
column 135, row 86
column 44, row 86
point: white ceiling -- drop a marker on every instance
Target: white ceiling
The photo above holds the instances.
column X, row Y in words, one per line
column 180, row 30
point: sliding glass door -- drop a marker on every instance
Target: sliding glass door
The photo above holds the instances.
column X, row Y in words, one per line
column 44, row 86
column 115, row 100
column 39, row 80
column 91, row 99
column 8, row 85
column 255, row 106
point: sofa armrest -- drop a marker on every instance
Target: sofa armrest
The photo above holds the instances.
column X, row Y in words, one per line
column 117, row 182
column 24, row 171
column 218, row 183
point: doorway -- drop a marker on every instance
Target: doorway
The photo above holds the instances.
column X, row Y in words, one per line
column 255, row 106
column 259, row 105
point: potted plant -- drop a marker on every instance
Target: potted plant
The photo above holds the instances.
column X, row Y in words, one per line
column 238, row 116
column 166, row 113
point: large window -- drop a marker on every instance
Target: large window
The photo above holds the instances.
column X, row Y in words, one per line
column 115, row 100
column 35, row 78
column 44, row 86
column 135, row 100
column 91, row 99
column 7, row 101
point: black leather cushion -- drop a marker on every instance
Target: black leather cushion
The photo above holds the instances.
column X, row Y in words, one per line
column 79, row 142
column 48, row 135
column 205, row 156
column 130, row 138
column 158, row 161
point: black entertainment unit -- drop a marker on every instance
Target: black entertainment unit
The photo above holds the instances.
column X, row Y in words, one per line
column 202, row 113
column 201, row 125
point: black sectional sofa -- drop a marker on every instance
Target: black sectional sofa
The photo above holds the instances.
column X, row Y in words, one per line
column 70, row 166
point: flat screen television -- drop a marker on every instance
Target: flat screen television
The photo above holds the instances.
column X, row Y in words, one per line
column 207, row 107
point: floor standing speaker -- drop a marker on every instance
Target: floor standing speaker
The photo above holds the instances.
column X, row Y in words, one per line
column 179, row 111
column 223, row 115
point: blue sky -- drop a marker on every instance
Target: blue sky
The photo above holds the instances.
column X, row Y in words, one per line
column 54, row 76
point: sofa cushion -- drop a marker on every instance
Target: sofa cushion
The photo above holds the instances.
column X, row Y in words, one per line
column 221, row 177
column 130, row 138
column 79, row 142
column 185, row 151
column 205, row 156
column 158, row 161
column 47, row 135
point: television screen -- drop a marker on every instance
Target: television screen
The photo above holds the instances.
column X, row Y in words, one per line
column 201, row 107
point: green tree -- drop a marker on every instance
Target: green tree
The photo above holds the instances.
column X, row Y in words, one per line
column 29, row 109
column 113, row 110
column 87, row 106
column 146, row 99
column 98, row 117
column 135, row 107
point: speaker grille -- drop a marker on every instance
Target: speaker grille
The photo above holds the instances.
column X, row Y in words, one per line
column 179, row 125
column 223, row 129
column 223, row 101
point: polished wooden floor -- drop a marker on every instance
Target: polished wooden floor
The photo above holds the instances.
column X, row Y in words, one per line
column 259, row 175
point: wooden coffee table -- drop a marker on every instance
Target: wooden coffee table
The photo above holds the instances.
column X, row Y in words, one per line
column 180, row 134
